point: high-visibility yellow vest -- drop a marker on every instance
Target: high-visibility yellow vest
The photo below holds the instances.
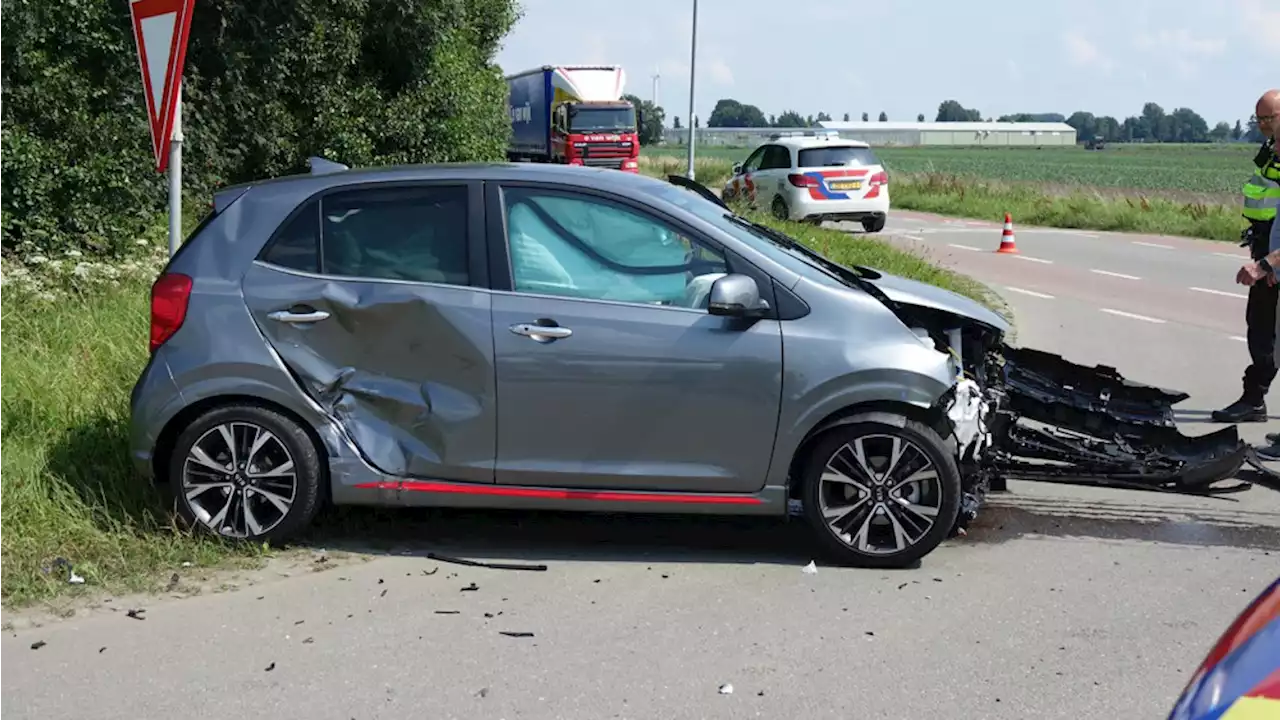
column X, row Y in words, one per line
column 1262, row 192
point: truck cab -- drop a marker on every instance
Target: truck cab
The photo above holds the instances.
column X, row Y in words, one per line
column 597, row 134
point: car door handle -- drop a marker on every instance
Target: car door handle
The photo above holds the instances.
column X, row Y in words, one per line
column 541, row 333
column 298, row 317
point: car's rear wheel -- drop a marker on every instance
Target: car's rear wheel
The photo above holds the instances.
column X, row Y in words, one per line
column 246, row 472
column 779, row 208
column 882, row 493
column 874, row 224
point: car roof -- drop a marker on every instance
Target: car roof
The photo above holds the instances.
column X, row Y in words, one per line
column 328, row 175
column 805, row 142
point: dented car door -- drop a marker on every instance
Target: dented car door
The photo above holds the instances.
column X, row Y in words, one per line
column 373, row 298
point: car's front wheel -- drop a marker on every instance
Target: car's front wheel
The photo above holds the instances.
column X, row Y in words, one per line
column 881, row 493
column 246, row 472
column 780, row 210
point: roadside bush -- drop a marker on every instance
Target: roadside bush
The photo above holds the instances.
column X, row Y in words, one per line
column 266, row 85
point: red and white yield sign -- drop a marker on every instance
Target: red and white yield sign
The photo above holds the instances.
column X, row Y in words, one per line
column 160, row 28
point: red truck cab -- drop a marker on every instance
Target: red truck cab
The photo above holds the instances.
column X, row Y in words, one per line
column 597, row 135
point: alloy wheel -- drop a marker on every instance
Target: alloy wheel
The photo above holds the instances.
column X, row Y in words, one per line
column 880, row 494
column 239, row 479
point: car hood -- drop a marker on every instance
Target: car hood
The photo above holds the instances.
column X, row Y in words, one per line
column 912, row 292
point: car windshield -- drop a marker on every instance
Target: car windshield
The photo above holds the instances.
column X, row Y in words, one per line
column 790, row 258
column 837, row 156
column 608, row 119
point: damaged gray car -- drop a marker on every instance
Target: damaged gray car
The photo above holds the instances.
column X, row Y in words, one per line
column 543, row 337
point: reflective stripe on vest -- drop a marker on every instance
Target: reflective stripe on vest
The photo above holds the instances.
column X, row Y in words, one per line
column 1262, row 193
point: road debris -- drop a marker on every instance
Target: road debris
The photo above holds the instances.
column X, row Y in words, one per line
column 810, row 569
column 726, row 689
column 470, row 588
column 187, row 564
column 448, row 612
column 136, row 614
column 38, row 644
column 489, row 565
column 483, row 692
column 308, row 641
column 269, row 668
column 514, row 634
column 382, row 594
column 75, row 579
column 434, row 570
column 173, row 583
column 102, row 649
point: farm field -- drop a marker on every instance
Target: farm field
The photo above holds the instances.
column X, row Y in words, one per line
column 1200, row 169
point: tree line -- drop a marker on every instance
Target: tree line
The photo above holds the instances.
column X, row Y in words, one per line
column 267, row 84
column 1153, row 124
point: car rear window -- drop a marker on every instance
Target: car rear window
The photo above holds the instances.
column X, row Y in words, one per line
column 838, row 156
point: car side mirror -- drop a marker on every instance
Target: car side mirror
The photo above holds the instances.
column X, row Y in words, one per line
column 736, row 295
column 737, row 168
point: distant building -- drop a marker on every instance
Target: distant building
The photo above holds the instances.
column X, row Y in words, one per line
column 974, row 134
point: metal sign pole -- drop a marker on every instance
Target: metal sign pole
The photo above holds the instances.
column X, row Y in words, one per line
column 693, row 58
column 175, row 179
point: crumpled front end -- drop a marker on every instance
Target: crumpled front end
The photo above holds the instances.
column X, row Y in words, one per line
column 1018, row 413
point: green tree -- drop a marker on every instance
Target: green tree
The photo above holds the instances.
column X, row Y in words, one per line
column 920, row 117
column 884, row 116
column 731, row 113
column 675, row 122
column 1237, row 132
column 790, row 119
column 267, row 84
column 846, row 117
column 652, row 119
column 1220, row 132
column 952, row 111
column 865, row 117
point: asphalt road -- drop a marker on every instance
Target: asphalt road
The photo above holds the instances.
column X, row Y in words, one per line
column 1061, row 603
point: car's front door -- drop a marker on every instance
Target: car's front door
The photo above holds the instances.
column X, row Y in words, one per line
column 744, row 184
column 374, row 299
column 610, row 372
column 771, row 178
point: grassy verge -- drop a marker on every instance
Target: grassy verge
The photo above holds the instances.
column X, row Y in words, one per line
column 1078, row 207
column 75, row 345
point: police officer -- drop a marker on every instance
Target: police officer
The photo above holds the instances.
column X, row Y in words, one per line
column 1261, row 198
column 1263, row 272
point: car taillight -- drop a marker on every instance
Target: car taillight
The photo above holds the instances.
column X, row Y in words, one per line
column 169, row 296
column 802, row 181
column 880, row 178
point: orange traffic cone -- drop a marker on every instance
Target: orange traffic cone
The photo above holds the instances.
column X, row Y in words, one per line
column 1007, row 243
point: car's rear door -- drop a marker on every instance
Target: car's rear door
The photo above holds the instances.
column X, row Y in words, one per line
column 610, row 372
column 374, row 297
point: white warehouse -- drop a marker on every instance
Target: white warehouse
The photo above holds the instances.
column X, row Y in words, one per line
column 996, row 134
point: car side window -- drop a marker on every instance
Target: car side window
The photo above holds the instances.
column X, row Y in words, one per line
column 576, row 245
column 776, row 158
column 417, row 234
column 296, row 245
column 753, row 161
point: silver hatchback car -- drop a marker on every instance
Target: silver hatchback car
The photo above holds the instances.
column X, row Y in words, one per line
column 540, row 336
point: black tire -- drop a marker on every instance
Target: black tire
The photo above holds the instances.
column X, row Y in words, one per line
column 874, row 224
column 307, row 474
column 779, row 208
column 942, row 496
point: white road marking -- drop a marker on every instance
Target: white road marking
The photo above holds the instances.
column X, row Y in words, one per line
column 1031, row 259
column 1032, row 293
column 1231, row 256
column 1144, row 318
column 917, row 238
column 963, row 247
column 1239, row 339
column 1115, row 274
column 1153, row 245
column 1220, row 292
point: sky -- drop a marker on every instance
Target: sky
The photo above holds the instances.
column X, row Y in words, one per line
column 906, row 56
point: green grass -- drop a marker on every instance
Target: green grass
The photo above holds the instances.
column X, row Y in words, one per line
column 76, row 341
column 68, row 488
column 1174, row 190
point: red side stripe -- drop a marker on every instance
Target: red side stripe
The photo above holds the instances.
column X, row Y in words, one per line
column 1264, row 609
column 1269, row 688
column 550, row 494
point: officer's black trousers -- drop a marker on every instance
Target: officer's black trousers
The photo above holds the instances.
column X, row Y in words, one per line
column 1260, row 316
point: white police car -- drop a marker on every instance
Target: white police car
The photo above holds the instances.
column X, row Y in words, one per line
column 812, row 176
